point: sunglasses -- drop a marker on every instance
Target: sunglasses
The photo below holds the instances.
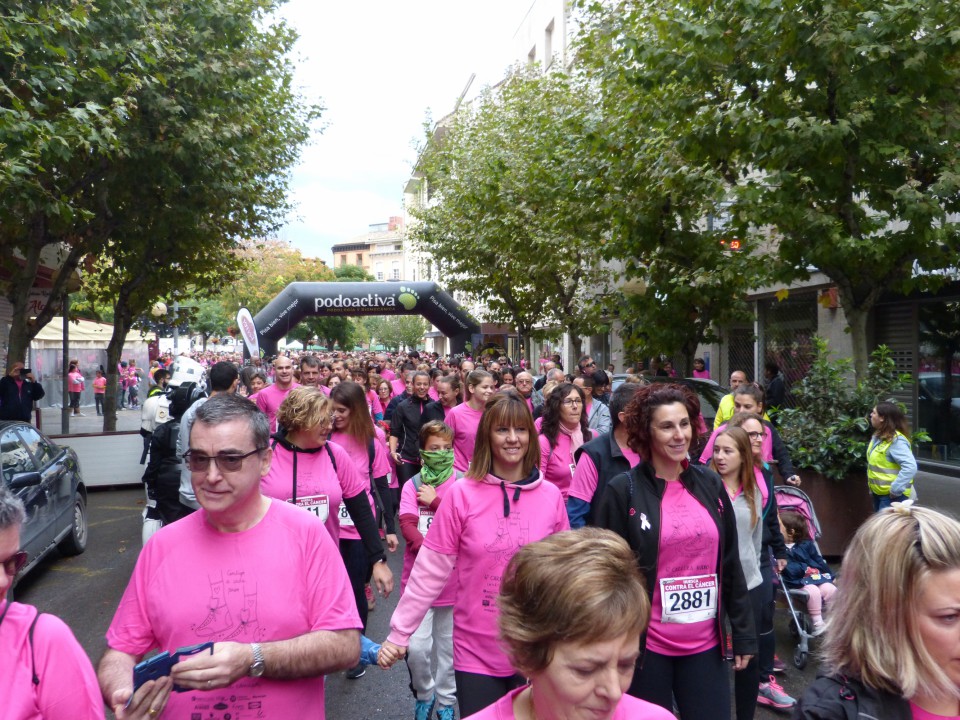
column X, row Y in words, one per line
column 226, row 462
column 14, row 564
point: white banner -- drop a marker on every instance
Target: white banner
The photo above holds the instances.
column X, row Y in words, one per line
column 249, row 332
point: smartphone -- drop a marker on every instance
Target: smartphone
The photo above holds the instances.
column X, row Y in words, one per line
column 186, row 652
column 153, row 669
column 25, row 371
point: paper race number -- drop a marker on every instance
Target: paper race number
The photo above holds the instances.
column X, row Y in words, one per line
column 425, row 521
column 688, row 599
column 317, row 505
column 344, row 516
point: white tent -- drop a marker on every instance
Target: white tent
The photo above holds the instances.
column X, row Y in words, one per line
column 88, row 344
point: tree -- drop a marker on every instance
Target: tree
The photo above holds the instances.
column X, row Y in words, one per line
column 352, row 273
column 207, row 160
column 396, row 331
column 834, row 126
column 66, row 93
column 514, row 220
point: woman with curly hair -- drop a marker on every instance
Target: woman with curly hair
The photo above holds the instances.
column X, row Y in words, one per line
column 563, row 429
column 680, row 523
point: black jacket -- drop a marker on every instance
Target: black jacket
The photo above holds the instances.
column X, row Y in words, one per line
column 17, row 403
column 609, row 461
column 835, row 697
column 433, row 411
column 631, row 508
column 772, row 535
column 405, row 426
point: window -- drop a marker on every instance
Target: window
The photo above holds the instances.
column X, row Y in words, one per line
column 359, row 258
column 548, row 45
column 938, row 381
column 14, row 456
column 343, row 260
column 532, row 55
column 396, row 273
column 398, row 248
column 44, row 452
column 379, row 275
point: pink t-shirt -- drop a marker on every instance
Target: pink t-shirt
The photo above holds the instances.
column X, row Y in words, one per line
column 584, row 484
column 629, row 708
column 268, row 400
column 76, row 381
column 410, row 506
column 374, row 404
column 918, row 713
column 278, row 580
column 556, row 463
column 470, row 526
column 399, row 386
column 766, row 447
column 387, row 374
column 100, row 385
column 464, row 421
column 359, row 455
column 68, row 687
column 320, row 490
column 705, row 374
column 688, row 548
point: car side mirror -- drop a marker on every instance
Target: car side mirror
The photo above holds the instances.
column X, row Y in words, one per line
column 22, row 480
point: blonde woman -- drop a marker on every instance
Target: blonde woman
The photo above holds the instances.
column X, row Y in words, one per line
column 891, row 643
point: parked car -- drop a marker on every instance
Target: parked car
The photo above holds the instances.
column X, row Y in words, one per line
column 709, row 392
column 46, row 477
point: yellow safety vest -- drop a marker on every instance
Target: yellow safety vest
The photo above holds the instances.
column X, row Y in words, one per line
column 881, row 472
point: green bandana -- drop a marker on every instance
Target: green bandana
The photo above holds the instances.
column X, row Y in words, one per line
column 437, row 466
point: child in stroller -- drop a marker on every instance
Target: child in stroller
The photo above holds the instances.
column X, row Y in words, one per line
column 806, row 569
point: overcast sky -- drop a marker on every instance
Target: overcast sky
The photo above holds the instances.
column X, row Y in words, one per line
column 378, row 66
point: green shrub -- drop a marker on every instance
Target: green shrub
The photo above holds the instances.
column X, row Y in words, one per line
column 828, row 428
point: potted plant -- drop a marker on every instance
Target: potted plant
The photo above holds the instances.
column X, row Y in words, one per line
column 826, row 431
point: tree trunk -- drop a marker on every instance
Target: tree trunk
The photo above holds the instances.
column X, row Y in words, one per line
column 576, row 348
column 857, row 322
column 122, row 322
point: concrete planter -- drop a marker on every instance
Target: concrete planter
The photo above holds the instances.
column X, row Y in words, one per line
column 841, row 508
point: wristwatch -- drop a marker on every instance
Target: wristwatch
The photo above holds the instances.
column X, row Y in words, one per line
column 259, row 666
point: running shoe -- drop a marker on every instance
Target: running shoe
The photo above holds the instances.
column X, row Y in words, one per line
column 424, row 709
column 779, row 666
column 371, row 598
column 772, row 695
column 445, row 712
column 357, row 671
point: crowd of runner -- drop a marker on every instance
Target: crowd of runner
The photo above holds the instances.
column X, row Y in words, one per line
column 482, row 467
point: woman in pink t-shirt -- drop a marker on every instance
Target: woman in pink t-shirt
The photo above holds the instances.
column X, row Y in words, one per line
column 682, row 528
column 501, row 505
column 324, row 479
column 573, row 607
column 464, row 419
column 562, row 431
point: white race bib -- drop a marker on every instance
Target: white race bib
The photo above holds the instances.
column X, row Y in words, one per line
column 343, row 516
column 688, row 599
column 425, row 521
column 317, row 505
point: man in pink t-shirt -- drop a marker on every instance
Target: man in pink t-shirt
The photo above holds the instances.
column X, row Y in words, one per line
column 269, row 399
column 276, row 628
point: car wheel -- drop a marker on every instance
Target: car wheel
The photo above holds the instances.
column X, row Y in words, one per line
column 76, row 542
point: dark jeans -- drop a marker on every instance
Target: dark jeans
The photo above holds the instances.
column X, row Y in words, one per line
column 765, row 637
column 359, row 571
column 746, row 682
column 75, row 401
column 98, row 401
column 475, row 692
column 699, row 683
column 405, row 471
column 881, row 502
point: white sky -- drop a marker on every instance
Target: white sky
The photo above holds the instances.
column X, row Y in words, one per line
column 378, row 66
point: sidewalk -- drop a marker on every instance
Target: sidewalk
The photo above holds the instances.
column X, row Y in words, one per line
column 127, row 420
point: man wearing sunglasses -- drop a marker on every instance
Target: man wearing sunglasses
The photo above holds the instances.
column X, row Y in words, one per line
column 44, row 673
column 258, row 578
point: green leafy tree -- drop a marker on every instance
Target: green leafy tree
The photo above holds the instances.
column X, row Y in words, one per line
column 352, row 273
column 396, row 331
column 833, row 125
column 514, row 221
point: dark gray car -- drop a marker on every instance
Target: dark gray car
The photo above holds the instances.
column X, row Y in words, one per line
column 46, row 477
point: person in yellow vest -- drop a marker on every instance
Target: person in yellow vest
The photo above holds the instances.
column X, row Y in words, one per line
column 891, row 466
column 725, row 410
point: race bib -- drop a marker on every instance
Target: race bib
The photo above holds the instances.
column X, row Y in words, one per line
column 425, row 521
column 688, row 599
column 344, row 516
column 317, row 505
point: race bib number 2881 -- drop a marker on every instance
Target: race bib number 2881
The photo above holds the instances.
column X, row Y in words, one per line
column 688, row 599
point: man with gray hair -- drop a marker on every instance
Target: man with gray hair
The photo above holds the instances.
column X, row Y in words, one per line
column 267, row 631
column 44, row 673
column 554, row 375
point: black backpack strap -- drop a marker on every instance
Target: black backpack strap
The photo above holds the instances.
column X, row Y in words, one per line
column 33, row 658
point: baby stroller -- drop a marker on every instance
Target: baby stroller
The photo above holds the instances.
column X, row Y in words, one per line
column 792, row 498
